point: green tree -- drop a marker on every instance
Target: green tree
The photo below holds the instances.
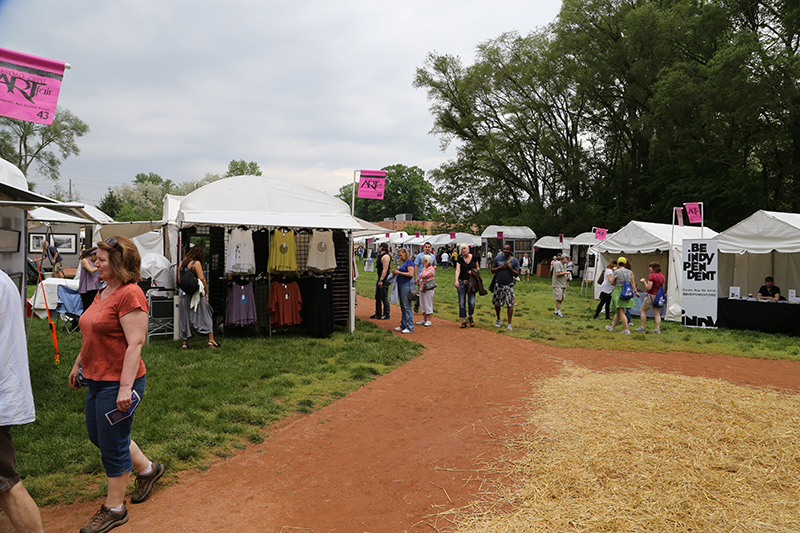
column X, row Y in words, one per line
column 242, row 168
column 406, row 191
column 111, row 204
column 23, row 143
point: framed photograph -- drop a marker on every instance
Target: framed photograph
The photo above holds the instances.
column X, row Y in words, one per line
column 9, row 240
column 65, row 243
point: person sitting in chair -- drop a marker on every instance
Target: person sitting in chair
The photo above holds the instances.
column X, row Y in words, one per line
column 769, row 291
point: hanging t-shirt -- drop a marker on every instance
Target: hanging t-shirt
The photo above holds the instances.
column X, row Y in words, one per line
column 240, row 305
column 282, row 252
column 240, row 258
column 321, row 252
column 285, row 303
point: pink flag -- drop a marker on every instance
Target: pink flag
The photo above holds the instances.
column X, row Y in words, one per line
column 499, row 234
column 452, row 234
column 371, row 187
column 387, row 235
column 561, row 238
column 600, row 233
column 679, row 214
column 694, row 213
column 417, row 235
column 31, row 86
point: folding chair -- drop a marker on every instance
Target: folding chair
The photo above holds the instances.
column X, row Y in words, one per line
column 161, row 316
column 69, row 308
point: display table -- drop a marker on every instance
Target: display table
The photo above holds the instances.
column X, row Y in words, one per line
column 759, row 315
column 49, row 288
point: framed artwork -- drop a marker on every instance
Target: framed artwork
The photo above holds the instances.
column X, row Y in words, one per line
column 65, row 243
column 9, row 240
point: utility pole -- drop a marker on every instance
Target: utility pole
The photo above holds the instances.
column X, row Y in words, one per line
column 70, row 189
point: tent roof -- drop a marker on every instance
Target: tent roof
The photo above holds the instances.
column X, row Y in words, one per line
column 262, row 201
column 509, row 232
column 761, row 233
column 553, row 243
column 584, row 239
column 44, row 214
column 14, row 193
column 646, row 237
column 444, row 238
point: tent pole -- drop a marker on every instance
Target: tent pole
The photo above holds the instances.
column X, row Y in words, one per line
column 356, row 175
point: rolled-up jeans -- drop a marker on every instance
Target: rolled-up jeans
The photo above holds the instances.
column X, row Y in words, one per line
column 406, row 305
column 465, row 298
column 114, row 441
column 381, row 299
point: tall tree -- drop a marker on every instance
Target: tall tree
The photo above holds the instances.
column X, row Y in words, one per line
column 23, row 143
column 406, row 191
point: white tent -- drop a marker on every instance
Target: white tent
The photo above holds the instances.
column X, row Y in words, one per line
column 766, row 243
column 553, row 243
column 262, row 201
column 509, row 232
column 645, row 242
column 460, row 238
column 44, row 215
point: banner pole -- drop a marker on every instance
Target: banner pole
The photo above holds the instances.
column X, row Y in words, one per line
column 356, row 176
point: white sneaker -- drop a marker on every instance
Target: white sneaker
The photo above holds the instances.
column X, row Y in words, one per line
column 498, row 323
column 610, row 328
column 509, row 328
column 560, row 314
column 406, row 331
column 428, row 323
column 625, row 332
column 420, row 323
column 640, row 330
column 398, row 328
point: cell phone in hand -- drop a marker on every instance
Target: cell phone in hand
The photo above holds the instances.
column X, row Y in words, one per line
column 116, row 415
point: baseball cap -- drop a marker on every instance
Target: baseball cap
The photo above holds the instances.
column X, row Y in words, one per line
column 622, row 261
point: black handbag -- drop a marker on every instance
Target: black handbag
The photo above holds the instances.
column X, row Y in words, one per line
column 429, row 285
column 493, row 284
column 188, row 282
column 413, row 294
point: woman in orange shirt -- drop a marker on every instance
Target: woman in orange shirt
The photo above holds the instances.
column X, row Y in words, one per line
column 114, row 329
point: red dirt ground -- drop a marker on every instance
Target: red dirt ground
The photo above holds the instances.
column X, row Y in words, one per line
column 390, row 456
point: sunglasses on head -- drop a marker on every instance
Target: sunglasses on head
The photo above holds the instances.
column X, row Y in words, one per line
column 112, row 242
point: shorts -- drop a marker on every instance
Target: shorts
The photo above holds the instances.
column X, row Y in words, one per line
column 525, row 271
column 8, row 460
column 58, row 267
column 648, row 302
column 504, row 295
column 559, row 294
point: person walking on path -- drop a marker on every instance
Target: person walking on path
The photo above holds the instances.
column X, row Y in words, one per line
column 114, row 329
column 426, row 295
column 559, row 283
column 16, row 399
column 620, row 305
column 653, row 282
column 405, row 280
column 382, row 285
column 466, row 263
column 505, row 267
column 427, row 249
column 605, row 289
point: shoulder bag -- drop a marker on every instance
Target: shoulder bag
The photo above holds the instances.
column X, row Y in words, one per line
column 188, row 282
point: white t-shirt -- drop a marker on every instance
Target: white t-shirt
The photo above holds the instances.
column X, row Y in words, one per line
column 240, row 258
column 16, row 395
column 606, row 286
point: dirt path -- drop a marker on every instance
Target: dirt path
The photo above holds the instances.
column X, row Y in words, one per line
column 391, row 455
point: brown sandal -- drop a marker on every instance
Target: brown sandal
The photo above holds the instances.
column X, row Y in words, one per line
column 463, row 324
column 471, row 322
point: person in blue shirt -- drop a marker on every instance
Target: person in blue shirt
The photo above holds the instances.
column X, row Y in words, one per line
column 505, row 268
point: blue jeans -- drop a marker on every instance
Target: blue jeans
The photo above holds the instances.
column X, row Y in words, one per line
column 463, row 298
column 406, row 305
column 113, row 441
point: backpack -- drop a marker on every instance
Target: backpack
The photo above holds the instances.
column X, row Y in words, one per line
column 660, row 298
column 627, row 291
column 188, row 282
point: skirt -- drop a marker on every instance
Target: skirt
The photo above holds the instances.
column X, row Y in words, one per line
column 617, row 302
column 197, row 322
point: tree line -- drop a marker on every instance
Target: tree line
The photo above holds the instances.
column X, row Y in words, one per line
column 620, row 110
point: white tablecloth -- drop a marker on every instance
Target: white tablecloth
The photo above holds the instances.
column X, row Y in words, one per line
column 49, row 288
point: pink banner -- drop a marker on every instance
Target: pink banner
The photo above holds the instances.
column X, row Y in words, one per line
column 372, row 188
column 694, row 213
column 679, row 214
column 499, row 234
column 452, row 234
column 373, row 173
column 387, row 235
column 561, row 238
column 31, row 86
column 600, row 233
column 417, row 235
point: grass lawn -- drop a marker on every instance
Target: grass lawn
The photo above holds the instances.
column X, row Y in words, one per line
column 200, row 404
column 534, row 320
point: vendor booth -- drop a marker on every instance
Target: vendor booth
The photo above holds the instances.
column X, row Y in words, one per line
column 767, row 243
column 521, row 239
column 644, row 242
column 271, row 243
column 544, row 250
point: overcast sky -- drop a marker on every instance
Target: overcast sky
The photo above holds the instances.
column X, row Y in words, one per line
column 310, row 90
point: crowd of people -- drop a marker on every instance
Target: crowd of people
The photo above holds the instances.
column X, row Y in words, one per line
column 414, row 282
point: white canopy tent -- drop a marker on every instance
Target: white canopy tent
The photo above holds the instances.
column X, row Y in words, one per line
column 551, row 242
column 460, row 238
column 645, row 242
column 767, row 243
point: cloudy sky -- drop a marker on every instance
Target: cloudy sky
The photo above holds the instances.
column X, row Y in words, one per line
column 311, row 90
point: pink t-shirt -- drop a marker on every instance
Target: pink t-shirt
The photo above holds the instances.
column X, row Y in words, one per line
column 657, row 278
column 104, row 344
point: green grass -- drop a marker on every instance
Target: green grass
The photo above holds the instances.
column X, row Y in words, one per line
column 200, row 404
column 534, row 320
